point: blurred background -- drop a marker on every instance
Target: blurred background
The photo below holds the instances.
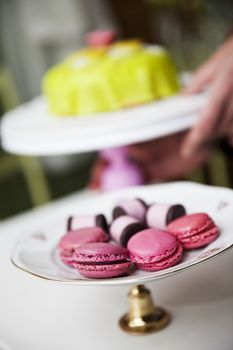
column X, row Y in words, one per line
column 34, row 35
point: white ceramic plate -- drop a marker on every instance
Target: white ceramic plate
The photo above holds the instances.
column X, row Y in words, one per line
column 31, row 130
column 36, row 253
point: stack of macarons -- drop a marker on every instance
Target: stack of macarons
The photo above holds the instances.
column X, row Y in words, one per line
column 146, row 237
column 73, row 239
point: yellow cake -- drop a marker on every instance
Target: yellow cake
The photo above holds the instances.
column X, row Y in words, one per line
column 123, row 74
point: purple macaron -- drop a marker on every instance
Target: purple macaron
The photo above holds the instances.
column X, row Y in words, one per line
column 102, row 260
column 73, row 239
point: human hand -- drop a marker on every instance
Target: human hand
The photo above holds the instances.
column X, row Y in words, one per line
column 159, row 160
column 216, row 120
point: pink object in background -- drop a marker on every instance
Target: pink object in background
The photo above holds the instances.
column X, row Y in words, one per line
column 120, row 171
column 100, row 38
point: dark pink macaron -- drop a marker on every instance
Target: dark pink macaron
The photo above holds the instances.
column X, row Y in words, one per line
column 154, row 249
column 102, row 260
column 194, row 230
column 73, row 239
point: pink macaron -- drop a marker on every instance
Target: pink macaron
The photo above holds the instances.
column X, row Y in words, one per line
column 154, row 250
column 102, row 260
column 194, row 230
column 71, row 240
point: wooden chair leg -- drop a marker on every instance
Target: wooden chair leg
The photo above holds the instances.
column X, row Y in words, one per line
column 218, row 171
column 30, row 167
column 197, row 176
column 35, row 180
column 9, row 165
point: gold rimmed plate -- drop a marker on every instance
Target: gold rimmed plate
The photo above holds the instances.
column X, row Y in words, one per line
column 36, row 252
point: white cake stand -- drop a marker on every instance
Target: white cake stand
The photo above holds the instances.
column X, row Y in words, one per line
column 31, row 130
column 36, row 254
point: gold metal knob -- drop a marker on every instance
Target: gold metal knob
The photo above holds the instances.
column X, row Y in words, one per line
column 143, row 316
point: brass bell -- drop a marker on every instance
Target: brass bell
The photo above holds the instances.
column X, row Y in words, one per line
column 143, row 316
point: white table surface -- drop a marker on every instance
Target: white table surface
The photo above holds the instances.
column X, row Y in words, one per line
column 39, row 315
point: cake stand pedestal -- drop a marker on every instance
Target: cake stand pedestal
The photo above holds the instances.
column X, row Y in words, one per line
column 37, row 255
column 30, row 130
column 143, row 317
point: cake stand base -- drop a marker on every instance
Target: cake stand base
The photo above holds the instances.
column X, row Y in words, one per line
column 143, row 317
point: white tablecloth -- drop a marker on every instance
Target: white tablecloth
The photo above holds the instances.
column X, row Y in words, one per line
column 39, row 315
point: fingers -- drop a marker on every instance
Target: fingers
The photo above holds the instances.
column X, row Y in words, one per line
column 173, row 167
column 142, row 153
column 228, row 126
column 163, row 160
column 209, row 126
column 201, row 78
column 206, row 73
column 147, row 152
